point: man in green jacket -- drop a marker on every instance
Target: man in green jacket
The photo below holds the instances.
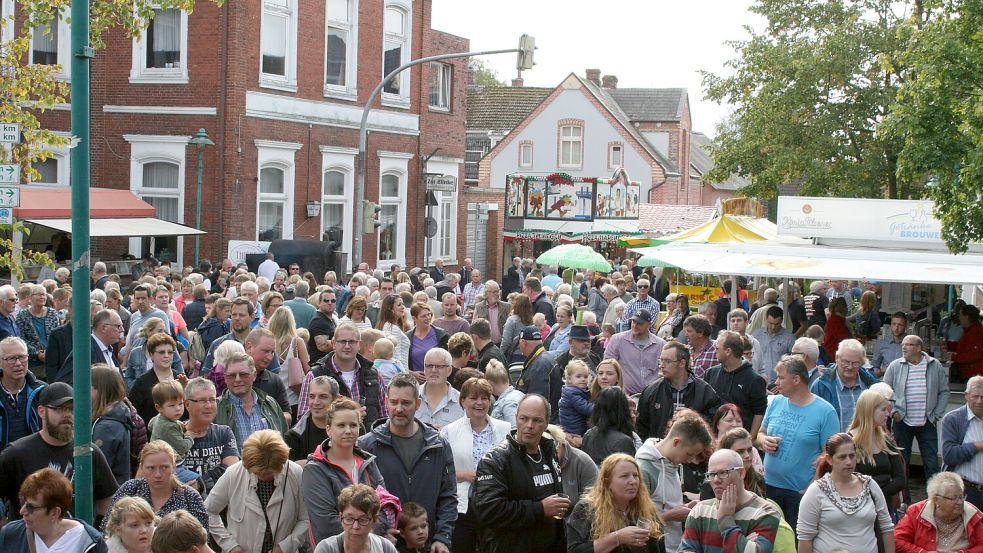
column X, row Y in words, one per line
column 243, row 408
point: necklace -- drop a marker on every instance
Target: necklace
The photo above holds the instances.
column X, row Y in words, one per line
column 949, row 532
column 533, row 459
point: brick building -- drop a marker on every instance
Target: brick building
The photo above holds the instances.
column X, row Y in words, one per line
column 280, row 91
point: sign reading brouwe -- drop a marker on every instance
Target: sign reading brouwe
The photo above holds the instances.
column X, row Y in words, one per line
column 858, row 219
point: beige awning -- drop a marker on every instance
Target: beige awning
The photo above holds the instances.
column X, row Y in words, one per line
column 122, row 226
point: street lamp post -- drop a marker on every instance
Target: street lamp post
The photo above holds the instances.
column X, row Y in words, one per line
column 527, row 45
column 202, row 141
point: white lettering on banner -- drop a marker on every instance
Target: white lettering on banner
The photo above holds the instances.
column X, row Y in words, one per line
column 543, row 479
column 850, row 218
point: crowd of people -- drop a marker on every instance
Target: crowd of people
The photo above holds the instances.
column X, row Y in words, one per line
column 432, row 410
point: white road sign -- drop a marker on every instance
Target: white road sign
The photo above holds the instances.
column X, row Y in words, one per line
column 10, row 133
column 9, row 196
column 9, row 174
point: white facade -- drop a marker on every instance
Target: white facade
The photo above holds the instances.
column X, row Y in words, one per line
column 543, row 133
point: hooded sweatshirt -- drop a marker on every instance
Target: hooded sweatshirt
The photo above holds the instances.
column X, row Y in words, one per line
column 111, row 433
column 661, row 477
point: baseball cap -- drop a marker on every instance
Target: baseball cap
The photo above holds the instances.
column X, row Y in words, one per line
column 642, row 316
column 56, row 395
column 531, row 333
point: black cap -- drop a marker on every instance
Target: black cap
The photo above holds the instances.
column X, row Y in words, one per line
column 531, row 333
column 580, row 332
column 642, row 316
column 56, row 395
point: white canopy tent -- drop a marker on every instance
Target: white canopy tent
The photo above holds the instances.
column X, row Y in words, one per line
column 821, row 262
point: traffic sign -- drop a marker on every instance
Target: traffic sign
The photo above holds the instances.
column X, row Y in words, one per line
column 6, row 216
column 431, row 227
column 9, row 196
column 10, row 133
column 9, row 174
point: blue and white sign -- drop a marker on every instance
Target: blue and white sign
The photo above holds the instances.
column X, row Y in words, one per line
column 6, row 216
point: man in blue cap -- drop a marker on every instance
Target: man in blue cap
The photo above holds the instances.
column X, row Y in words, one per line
column 540, row 374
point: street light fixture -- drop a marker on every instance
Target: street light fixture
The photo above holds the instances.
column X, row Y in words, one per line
column 202, row 141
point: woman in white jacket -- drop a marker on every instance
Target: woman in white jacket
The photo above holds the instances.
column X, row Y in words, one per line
column 470, row 438
column 263, row 496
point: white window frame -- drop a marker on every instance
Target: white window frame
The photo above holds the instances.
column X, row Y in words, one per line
column 64, row 57
column 341, row 160
column 621, row 149
column 395, row 163
column 62, row 157
column 444, row 73
column 158, row 148
column 278, row 155
column 350, row 90
column 573, row 140
column 401, row 100
column 446, row 230
column 532, row 152
column 286, row 82
column 7, row 31
column 141, row 74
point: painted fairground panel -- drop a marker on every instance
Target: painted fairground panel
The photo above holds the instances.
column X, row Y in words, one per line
column 514, row 197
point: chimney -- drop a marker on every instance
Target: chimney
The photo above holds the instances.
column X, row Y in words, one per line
column 594, row 76
column 517, row 82
column 610, row 81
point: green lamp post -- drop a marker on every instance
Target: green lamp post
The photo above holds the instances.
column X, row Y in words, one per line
column 200, row 140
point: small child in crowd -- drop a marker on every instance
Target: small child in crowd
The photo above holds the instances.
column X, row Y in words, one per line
column 384, row 364
column 539, row 321
column 169, row 401
column 575, row 405
column 413, row 529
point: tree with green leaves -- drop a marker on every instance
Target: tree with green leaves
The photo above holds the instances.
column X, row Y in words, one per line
column 939, row 116
column 482, row 75
column 809, row 92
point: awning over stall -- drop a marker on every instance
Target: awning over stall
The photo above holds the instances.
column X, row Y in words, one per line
column 820, row 262
column 135, row 226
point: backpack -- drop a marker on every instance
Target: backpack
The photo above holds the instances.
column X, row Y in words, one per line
column 196, row 354
column 138, row 436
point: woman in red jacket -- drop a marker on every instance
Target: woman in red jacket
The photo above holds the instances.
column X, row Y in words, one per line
column 836, row 329
column 943, row 522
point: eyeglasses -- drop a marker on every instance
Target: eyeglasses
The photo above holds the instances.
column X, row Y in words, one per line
column 114, row 325
column 435, row 366
column 62, row 409
column 237, row 376
column 295, row 268
column 957, row 499
column 347, row 343
column 853, row 364
column 206, row 401
column 164, row 352
column 667, row 361
column 329, row 301
column 721, row 475
column 29, row 507
column 352, row 521
column 15, row 358
column 643, row 286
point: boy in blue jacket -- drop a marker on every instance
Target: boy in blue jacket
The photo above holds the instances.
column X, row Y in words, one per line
column 575, row 405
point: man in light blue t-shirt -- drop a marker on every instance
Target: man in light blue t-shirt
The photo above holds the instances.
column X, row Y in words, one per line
column 793, row 434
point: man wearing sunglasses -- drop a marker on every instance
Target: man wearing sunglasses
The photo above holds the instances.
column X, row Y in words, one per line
column 323, row 325
column 735, row 518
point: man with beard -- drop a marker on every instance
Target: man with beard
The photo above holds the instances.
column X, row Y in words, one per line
column 51, row 447
column 580, row 349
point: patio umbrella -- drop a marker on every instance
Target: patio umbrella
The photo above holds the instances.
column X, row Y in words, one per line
column 576, row 256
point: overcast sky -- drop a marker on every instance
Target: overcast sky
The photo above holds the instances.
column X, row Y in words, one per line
column 645, row 43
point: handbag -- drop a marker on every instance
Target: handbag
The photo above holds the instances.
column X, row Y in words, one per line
column 295, row 370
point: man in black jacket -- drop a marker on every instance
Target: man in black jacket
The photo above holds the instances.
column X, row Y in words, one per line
column 676, row 389
column 483, row 345
column 735, row 381
column 540, row 303
column 518, row 486
column 416, row 463
column 366, row 386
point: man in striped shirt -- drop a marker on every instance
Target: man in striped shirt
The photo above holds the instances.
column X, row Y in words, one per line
column 642, row 301
column 736, row 520
column 962, row 441
column 921, row 388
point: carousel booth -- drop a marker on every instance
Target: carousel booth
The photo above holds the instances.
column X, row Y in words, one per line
column 542, row 211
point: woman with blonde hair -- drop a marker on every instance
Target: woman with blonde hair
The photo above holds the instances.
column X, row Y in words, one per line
column 606, row 374
column 357, row 312
column 158, row 485
column 131, row 526
column 617, row 512
column 216, row 322
column 272, row 302
column 289, row 346
column 877, row 454
column 262, row 498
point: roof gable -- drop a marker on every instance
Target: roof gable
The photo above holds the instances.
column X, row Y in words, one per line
column 651, row 104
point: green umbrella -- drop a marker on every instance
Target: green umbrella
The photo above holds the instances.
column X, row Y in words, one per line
column 576, row 256
column 650, row 260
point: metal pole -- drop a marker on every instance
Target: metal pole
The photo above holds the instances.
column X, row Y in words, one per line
column 363, row 137
column 201, row 171
column 82, row 55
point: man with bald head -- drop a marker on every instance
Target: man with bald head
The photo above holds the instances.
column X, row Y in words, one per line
column 921, row 391
column 736, row 519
